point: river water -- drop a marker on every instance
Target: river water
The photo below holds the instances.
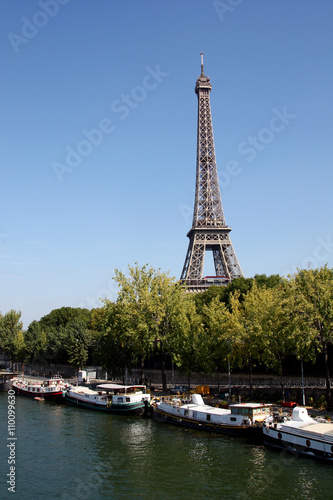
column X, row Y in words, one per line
column 69, row 453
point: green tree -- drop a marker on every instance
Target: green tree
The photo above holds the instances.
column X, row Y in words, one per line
column 270, row 326
column 142, row 309
column 11, row 335
column 251, row 316
column 186, row 337
column 113, row 348
column 311, row 309
column 56, row 345
column 238, row 285
column 223, row 330
column 60, row 317
column 35, row 341
column 77, row 342
column 174, row 301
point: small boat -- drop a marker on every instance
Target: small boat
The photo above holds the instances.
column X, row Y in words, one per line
column 245, row 419
column 301, row 435
column 110, row 398
column 48, row 389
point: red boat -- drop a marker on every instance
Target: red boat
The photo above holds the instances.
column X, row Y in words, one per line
column 48, row 389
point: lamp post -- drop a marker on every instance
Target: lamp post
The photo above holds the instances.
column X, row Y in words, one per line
column 303, row 392
column 229, row 344
column 172, row 374
column 172, row 368
column 229, row 372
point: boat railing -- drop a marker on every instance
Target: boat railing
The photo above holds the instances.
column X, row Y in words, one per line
column 174, row 400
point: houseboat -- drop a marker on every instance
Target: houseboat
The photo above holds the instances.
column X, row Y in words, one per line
column 301, row 435
column 110, row 398
column 239, row 419
column 48, row 389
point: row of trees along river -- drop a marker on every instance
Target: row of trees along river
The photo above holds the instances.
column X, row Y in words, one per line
column 251, row 322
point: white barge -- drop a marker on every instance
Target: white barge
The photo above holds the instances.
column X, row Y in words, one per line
column 302, row 435
column 245, row 419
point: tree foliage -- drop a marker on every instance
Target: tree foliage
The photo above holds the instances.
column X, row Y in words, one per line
column 11, row 335
column 142, row 299
column 261, row 320
column 311, row 310
column 78, row 338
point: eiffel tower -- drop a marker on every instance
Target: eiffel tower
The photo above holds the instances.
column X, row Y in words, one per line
column 209, row 229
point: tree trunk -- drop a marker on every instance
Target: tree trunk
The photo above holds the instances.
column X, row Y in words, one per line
column 250, row 378
column 164, row 383
column 281, row 380
column 142, row 370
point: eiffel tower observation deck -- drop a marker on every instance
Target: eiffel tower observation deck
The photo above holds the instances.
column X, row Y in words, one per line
column 209, row 230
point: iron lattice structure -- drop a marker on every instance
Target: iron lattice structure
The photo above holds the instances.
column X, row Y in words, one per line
column 209, row 230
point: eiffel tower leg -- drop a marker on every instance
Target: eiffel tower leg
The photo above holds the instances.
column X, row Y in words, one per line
column 234, row 268
column 225, row 261
column 220, row 262
column 195, row 257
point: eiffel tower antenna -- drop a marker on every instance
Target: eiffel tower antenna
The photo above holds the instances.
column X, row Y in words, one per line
column 209, row 230
column 202, row 66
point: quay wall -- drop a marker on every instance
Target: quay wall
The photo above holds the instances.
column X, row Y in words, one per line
column 263, row 384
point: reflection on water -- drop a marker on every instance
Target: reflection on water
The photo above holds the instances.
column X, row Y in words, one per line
column 68, row 453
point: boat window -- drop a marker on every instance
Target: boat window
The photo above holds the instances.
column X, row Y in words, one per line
column 186, row 412
column 208, row 417
column 128, row 400
column 120, row 399
column 233, row 419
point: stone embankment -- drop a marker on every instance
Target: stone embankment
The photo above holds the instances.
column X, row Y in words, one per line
column 262, row 384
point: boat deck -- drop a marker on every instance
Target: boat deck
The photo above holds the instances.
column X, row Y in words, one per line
column 199, row 408
column 318, row 430
column 83, row 391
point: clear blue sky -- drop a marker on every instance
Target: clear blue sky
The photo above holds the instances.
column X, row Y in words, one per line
column 128, row 68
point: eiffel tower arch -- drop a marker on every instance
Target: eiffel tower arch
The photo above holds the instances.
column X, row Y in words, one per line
column 209, row 230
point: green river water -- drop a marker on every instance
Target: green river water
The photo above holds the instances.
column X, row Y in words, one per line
column 62, row 452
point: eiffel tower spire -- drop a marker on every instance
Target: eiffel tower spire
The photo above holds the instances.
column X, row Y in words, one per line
column 209, row 229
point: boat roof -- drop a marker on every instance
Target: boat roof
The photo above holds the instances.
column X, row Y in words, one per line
column 10, row 373
column 250, row 405
column 321, row 428
column 201, row 408
column 110, row 387
column 208, row 409
column 313, row 427
column 82, row 390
